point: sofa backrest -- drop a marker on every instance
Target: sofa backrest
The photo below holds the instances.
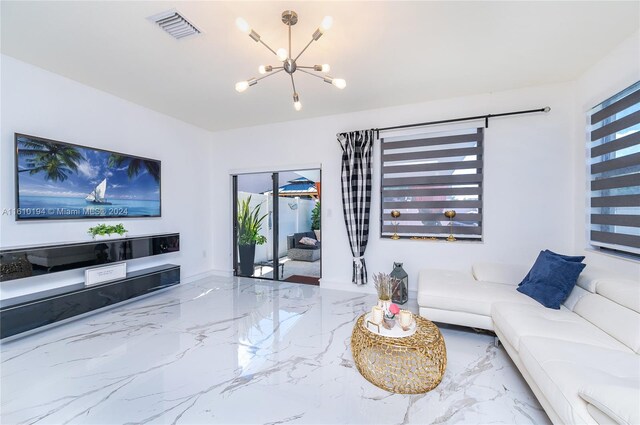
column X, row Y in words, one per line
column 508, row 274
column 298, row 236
column 612, row 304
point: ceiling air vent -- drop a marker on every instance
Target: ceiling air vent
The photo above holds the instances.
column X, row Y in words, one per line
column 175, row 24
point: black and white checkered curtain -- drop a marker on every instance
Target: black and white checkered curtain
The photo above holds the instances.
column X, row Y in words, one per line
column 357, row 149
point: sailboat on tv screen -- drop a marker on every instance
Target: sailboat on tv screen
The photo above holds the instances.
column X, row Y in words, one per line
column 97, row 195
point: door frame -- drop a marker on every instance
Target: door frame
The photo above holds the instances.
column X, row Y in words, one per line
column 275, row 226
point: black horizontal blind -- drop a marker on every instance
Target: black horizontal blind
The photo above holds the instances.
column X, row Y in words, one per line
column 424, row 176
column 615, row 172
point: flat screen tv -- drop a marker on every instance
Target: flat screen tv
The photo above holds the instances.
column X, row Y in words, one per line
column 58, row 180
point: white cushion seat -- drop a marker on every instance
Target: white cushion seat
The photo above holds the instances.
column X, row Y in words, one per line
column 562, row 369
column 516, row 321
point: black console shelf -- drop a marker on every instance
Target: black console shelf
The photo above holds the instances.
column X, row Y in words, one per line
column 31, row 311
column 26, row 261
column 27, row 312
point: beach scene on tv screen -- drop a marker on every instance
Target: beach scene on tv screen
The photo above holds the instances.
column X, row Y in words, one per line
column 58, row 180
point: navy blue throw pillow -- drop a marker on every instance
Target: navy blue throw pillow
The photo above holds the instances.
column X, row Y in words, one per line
column 551, row 279
column 575, row 258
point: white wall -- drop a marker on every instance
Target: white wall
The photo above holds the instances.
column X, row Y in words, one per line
column 44, row 104
column 613, row 73
column 528, row 194
column 535, row 172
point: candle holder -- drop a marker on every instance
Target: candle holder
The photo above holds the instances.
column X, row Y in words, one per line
column 395, row 214
column 450, row 214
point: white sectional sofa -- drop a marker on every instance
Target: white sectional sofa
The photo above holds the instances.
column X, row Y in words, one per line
column 582, row 361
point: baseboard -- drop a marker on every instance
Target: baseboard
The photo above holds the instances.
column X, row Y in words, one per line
column 208, row 274
column 222, row 273
column 369, row 288
column 347, row 286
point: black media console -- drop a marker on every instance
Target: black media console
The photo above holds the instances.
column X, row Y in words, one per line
column 26, row 312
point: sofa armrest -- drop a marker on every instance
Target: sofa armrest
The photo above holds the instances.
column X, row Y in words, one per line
column 619, row 402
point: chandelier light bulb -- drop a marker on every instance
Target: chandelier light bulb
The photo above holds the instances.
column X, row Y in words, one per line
column 322, row 68
column 242, row 86
column 339, row 83
column 326, row 24
column 296, row 102
column 243, row 25
column 262, row 69
column 282, row 54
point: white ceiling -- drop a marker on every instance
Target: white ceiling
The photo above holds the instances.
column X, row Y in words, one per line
column 390, row 53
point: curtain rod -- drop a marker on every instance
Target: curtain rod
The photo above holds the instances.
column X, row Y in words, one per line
column 477, row 117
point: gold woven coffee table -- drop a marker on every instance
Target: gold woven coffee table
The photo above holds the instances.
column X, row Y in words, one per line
column 409, row 365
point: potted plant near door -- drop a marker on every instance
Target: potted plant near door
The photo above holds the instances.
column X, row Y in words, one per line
column 249, row 226
column 315, row 220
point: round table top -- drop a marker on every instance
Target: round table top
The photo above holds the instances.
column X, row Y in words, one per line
column 426, row 333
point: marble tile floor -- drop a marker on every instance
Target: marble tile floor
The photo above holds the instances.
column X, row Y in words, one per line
column 241, row 351
column 292, row 267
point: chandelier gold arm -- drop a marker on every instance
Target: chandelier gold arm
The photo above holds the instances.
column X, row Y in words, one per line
column 310, row 73
column 256, row 37
column 289, row 42
column 268, row 75
column 305, row 48
column 267, row 46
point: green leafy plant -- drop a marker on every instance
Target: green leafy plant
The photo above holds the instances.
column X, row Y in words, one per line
column 315, row 217
column 135, row 165
column 250, row 223
column 54, row 160
column 103, row 229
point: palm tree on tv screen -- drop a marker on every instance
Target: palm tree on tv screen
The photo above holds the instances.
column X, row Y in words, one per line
column 135, row 165
column 56, row 161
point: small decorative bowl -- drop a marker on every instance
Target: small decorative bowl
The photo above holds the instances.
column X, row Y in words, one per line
column 389, row 323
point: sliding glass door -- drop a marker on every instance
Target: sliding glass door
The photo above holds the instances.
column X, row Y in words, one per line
column 299, row 224
column 254, row 244
column 276, row 219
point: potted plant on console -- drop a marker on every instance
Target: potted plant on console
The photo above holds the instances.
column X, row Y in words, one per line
column 104, row 231
column 249, row 226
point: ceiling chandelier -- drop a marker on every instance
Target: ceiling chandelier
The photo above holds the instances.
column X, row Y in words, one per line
column 289, row 63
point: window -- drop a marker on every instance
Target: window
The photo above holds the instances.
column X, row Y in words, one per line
column 614, row 164
column 425, row 175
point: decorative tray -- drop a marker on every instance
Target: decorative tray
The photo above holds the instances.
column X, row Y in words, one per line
column 395, row 332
